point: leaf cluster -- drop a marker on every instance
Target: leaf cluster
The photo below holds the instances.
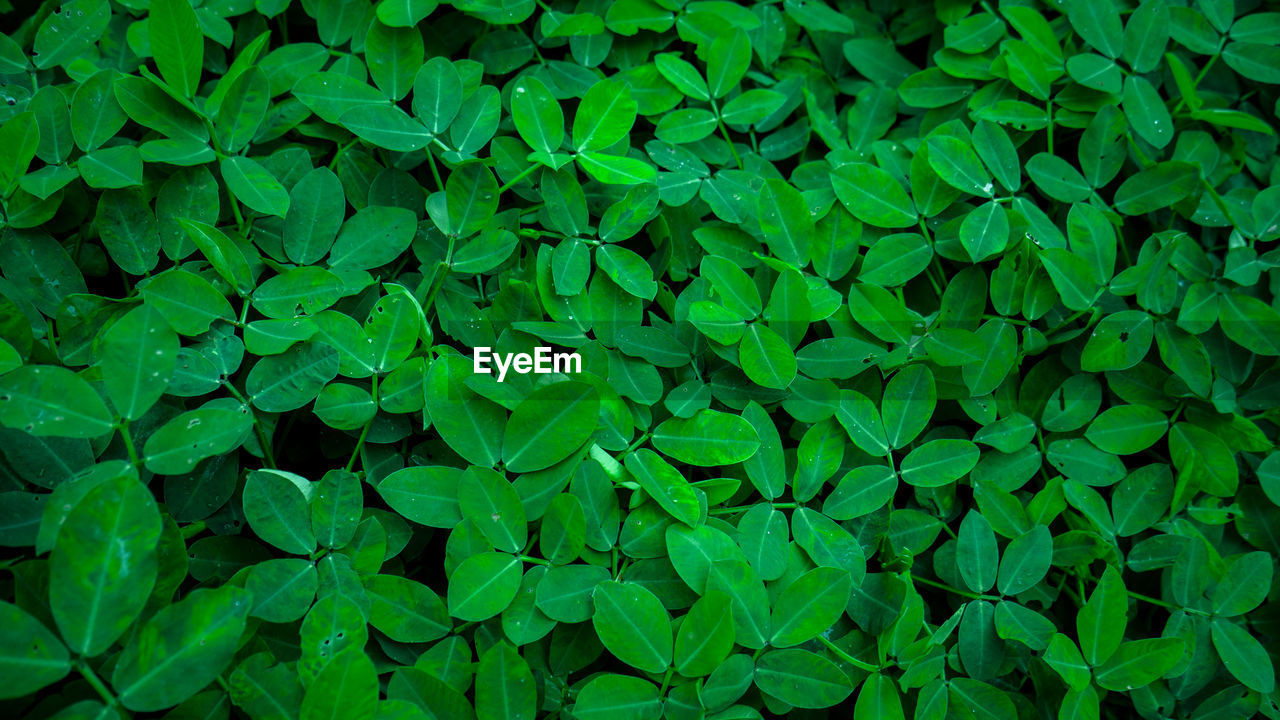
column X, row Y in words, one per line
column 928, row 359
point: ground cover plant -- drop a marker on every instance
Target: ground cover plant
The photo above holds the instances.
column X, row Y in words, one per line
column 928, row 359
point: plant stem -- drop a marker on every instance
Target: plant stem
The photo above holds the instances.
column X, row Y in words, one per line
column 364, row 432
column 840, row 652
column 631, row 448
column 1200, row 76
column 740, row 508
column 338, row 154
column 535, row 561
column 128, row 444
column 1164, row 604
column 96, row 682
column 1048, row 111
column 666, row 681
column 954, row 590
column 724, row 131
column 523, row 174
column 435, row 172
column 263, row 441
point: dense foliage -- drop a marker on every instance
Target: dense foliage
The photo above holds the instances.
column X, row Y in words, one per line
column 928, row 359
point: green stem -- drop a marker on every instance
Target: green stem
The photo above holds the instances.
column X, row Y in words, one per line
column 1217, row 199
column 435, row 172
column 364, row 432
column 261, row 432
column 666, row 681
column 1143, row 160
column 128, row 444
column 535, row 561
column 333, row 163
column 1048, row 111
column 839, row 651
column 235, row 212
column 1203, row 71
column 740, row 508
column 441, row 273
column 523, row 174
column 190, row 531
column 632, row 447
column 96, row 682
column 724, row 131
column 953, row 590
column 1163, row 604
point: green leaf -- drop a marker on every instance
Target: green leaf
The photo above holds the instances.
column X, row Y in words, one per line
column 632, row 625
column 437, row 86
column 1026, row 561
column 405, row 610
column 537, row 115
column 1139, row 663
column 46, row 400
column 177, row 44
column 275, row 504
column 1244, row 656
column 878, row 698
column 253, row 185
column 1127, row 429
column 705, row 637
column 976, row 553
column 801, row 678
column 661, row 481
column 33, row 657
column 187, row 301
column 374, row 236
column 387, row 127
column 483, row 585
column 290, row 380
column 492, row 504
column 426, row 495
column 786, row 222
column 873, row 196
column 549, row 425
column 809, row 605
column 137, row 359
column 1156, row 187
column 283, row 589
column 335, row 513
column 956, row 163
column 605, row 116
column 1101, row 621
column 1250, row 323
column 907, row 405
column 504, row 685
column 181, row 649
column 939, row 462
column 347, row 687
column 727, row 61
column 104, row 564
column 64, row 35
column 178, row 445
column 708, row 438
column 617, row 697
column 766, row 358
